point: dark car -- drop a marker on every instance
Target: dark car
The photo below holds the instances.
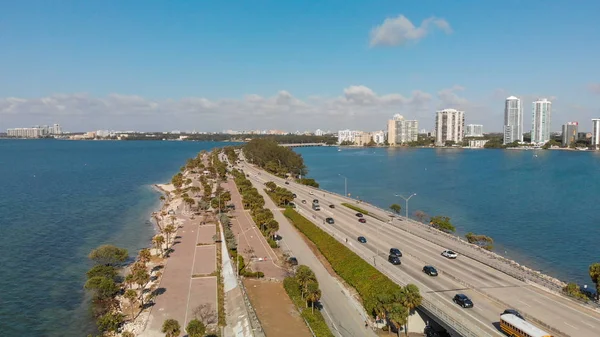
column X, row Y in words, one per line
column 294, row 195
column 513, row 312
column 395, row 252
column 329, row 221
column 304, row 201
column 292, row 261
column 430, row 270
column 362, row 220
column 463, row 300
column 332, row 206
column 393, row 259
column 362, row 239
column 360, row 215
column 315, row 201
column 287, row 182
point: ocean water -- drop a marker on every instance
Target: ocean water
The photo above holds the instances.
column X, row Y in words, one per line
column 59, row 200
column 543, row 211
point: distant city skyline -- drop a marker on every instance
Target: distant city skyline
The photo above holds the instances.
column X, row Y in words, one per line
column 283, row 71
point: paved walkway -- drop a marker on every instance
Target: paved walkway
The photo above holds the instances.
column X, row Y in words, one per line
column 252, row 244
column 182, row 293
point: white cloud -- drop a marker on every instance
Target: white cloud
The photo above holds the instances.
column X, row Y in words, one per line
column 358, row 106
column 400, row 30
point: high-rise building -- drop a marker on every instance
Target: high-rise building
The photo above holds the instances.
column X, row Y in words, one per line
column 596, row 132
column 569, row 133
column 401, row 131
column 379, row 137
column 319, row 132
column 540, row 128
column 474, row 130
column 449, row 126
column 348, row 136
column 513, row 120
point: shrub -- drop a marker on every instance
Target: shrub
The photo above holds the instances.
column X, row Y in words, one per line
column 356, row 208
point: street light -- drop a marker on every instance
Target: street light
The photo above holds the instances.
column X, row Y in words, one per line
column 345, row 185
column 406, row 199
column 237, row 256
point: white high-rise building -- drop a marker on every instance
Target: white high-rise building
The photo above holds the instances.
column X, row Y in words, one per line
column 379, row 137
column 540, row 128
column 596, row 132
column 401, row 131
column 348, row 136
column 319, row 132
column 513, row 120
column 56, row 129
column 449, row 126
column 474, row 130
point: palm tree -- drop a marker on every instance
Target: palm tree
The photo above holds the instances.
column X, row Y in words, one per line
column 141, row 279
column 397, row 314
column 304, row 275
column 130, row 280
column 131, row 296
column 159, row 240
column 313, row 294
column 195, row 328
column 171, row 328
column 411, row 299
column 144, row 256
column 169, row 229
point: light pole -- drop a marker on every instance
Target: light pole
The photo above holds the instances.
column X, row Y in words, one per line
column 237, row 256
column 345, row 185
column 406, row 199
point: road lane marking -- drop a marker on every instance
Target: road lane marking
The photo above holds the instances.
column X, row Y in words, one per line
column 524, row 303
column 571, row 326
column 588, row 324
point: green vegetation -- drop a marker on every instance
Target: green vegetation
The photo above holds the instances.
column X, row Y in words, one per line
column 230, row 153
column 308, row 182
column 255, row 202
column 482, row 241
column 347, row 143
column 422, row 140
column 380, row 296
column 303, row 289
column 595, row 276
column 551, row 143
column 356, row 208
column 573, row 290
column 195, row 328
column 442, row 223
column 171, row 328
column 395, row 208
column 494, row 143
column 279, row 160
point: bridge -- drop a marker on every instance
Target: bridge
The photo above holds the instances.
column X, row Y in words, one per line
column 304, row 144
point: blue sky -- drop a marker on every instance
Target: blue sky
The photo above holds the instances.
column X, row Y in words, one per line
column 214, row 65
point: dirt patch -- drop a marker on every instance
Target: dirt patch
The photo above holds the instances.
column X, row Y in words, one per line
column 275, row 310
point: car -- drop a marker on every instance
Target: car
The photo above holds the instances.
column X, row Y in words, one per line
column 303, row 201
column 449, row 254
column 294, row 195
column 315, row 201
column 329, row 221
column 395, row 252
column 360, row 215
column 277, row 237
column 292, row 205
column 463, row 300
column 311, row 193
column 292, row 261
column 513, row 312
column 332, row 206
column 430, row 270
column 362, row 239
column 393, row 259
column 362, row 220
column 287, row 183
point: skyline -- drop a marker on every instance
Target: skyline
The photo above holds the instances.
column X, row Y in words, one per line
column 215, row 66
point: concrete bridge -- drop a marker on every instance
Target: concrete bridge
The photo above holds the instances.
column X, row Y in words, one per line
column 304, row 144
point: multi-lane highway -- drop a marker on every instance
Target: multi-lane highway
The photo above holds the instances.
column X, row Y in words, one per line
column 492, row 291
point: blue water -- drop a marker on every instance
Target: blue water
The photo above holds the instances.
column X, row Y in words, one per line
column 60, row 199
column 541, row 211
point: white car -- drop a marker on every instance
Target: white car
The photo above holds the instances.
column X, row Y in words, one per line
column 311, row 193
column 449, row 254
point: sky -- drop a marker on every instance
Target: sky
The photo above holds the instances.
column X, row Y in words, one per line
column 293, row 65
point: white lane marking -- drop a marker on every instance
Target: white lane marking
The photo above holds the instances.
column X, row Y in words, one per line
column 571, row 326
column 524, row 303
column 332, row 322
column 588, row 324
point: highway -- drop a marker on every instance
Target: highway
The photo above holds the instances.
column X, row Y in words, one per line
column 491, row 290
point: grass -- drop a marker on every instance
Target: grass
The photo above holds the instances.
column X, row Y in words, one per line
column 356, row 208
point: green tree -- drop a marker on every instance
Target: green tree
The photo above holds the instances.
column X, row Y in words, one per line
column 108, row 255
column 397, row 314
column 313, row 294
column 110, row 322
column 158, row 241
column 144, row 256
column 127, row 334
column 396, row 208
column 411, row 299
column 168, row 230
column 595, row 275
column 103, row 287
column 271, row 185
column 108, row 272
column 195, row 328
column 131, row 296
column 305, row 275
column 482, row 241
column 171, row 328
column 141, row 279
column 442, row 223
column 573, row 290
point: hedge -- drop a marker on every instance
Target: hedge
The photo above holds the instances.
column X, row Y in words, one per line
column 366, row 279
column 356, row 208
column 315, row 320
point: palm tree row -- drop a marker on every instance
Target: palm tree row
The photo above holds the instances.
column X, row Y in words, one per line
column 282, row 196
column 395, row 307
column 309, row 286
column 253, row 200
